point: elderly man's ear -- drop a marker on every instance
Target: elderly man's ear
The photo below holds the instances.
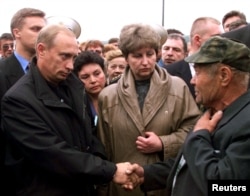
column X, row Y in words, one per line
column 226, row 75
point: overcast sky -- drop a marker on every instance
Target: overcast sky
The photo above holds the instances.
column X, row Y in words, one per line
column 102, row 19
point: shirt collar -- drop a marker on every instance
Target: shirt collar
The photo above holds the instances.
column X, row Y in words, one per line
column 24, row 62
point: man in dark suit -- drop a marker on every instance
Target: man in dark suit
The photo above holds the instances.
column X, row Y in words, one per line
column 184, row 70
column 181, row 69
column 11, row 70
column 25, row 26
column 173, row 50
column 2, row 144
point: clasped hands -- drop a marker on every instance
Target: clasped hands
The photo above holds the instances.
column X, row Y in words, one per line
column 128, row 175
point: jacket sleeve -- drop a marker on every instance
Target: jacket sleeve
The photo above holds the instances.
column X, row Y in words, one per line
column 156, row 174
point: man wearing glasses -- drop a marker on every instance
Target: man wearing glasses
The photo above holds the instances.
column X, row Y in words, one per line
column 6, row 45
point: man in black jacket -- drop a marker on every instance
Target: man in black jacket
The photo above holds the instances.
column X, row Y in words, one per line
column 202, row 29
column 50, row 148
column 218, row 147
column 25, row 26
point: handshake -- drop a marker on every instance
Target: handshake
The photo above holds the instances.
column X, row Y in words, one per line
column 128, row 175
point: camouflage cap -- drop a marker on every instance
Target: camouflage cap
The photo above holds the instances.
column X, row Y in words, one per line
column 219, row 49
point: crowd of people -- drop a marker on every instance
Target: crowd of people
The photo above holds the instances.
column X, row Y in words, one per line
column 152, row 112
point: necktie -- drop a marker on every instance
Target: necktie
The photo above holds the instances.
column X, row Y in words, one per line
column 27, row 68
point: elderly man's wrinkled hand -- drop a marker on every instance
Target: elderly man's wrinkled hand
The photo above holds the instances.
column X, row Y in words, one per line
column 208, row 121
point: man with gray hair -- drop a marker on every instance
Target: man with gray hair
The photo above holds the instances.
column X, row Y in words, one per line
column 218, row 147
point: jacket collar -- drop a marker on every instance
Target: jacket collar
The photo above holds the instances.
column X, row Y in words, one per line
column 49, row 98
column 159, row 84
column 233, row 109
